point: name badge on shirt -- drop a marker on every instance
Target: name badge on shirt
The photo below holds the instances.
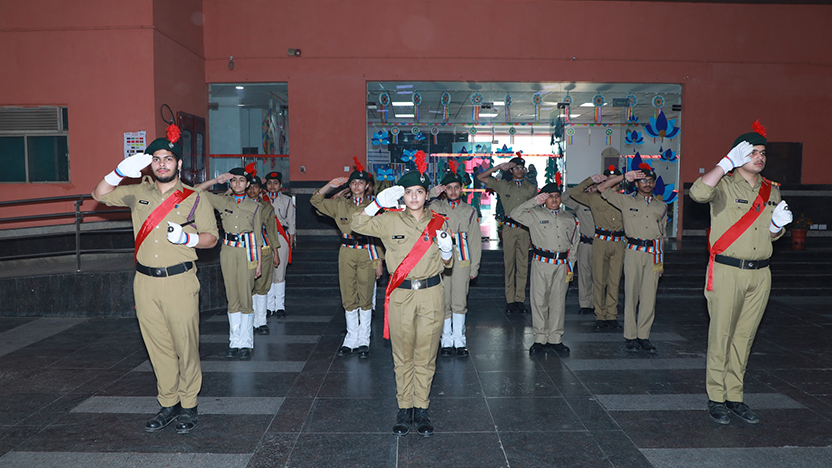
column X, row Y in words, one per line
column 545, row 222
column 741, row 201
column 398, row 237
column 144, row 202
column 344, row 220
column 633, row 209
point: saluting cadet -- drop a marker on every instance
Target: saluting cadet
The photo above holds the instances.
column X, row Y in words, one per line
column 413, row 321
column 555, row 237
column 515, row 236
column 284, row 209
column 584, row 256
column 467, row 237
column 747, row 215
column 645, row 220
column 169, row 222
column 270, row 258
column 240, row 258
column 356, row 271
column 607, row 249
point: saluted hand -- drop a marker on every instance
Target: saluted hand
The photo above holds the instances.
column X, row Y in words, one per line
column 598, row 178
column 540, row 198
column 633, row 175
column 338, row 181
column 738, row 156
column 129, row 167
column 388, row 198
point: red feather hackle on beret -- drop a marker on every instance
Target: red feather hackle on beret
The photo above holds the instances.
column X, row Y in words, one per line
column 173, row 133
column 250, row 170
column 612, row 168
column 452, row 166
column 358, row 166
column 645, row 166
column 421, row 163
column 759, row 128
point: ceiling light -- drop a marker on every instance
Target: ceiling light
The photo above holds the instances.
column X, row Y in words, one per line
column 402, row 104
column 587, row 104
column 404, row 86
column 404, row 116
column 240, row 87
column 571, row 116
column 482, row 114
column 498, row 103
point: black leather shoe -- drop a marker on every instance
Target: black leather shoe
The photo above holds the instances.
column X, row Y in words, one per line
column 742, row 411
column 510, row 308
column 613, row 325
column 632, row 345
column 264, row 330
column 447, row 351
column 422, row 422
column 363, row 352
column 187, row 420
column 232, row 352
column 718, row 412
column 269, row 312
column 647, row 345
column 520, row 308
column 344, row 351
column 404, row 418
column 165, row 416
column 245, row 353
column 586, row 311
column 463, row 351
column 280, row 313
column 600, row 325
column 537, row 348
column 558, row 348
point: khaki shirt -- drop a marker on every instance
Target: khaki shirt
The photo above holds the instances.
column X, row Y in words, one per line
column 641, row 219
column 604, row 215
column 285, row 211
column 463, row 218
column 340, row 209
column 730, row 200
column 550, row 230
column 156, row 251
column 511, row 196
column 399, row 231
column 240, row 217
column 269, row 222
column 582, row 212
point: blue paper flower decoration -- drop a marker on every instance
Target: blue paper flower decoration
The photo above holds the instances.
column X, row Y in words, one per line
column 505, row 150
column 407, row 155
column 669, row 155
column 419, row 137
column 463, row 150
column 385, row 174
column 666, row 192
column 381, row 138
column 660, row 127
column 633, row 138
column 633, row 118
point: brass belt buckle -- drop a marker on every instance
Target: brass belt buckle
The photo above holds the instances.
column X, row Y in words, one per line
column 416, row 284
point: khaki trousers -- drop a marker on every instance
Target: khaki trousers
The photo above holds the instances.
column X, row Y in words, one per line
column 264, row 282
column 168, row 314
column 548, row 300
column 607, row 263
column 356, row 276
column 736, row 306
column 238, row 279
column 279, row 274
column 416, row 319
column 455, row 281
column 585, row 284
column 641, row 280
column 516, row 243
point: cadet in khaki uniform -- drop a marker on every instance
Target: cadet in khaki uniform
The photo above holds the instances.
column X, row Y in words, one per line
column 240, row 256
column 555, row 236
column 584, row 256
column 165, row 287
column 607, row 249
column 416, row 306
column 739, row 279
column 356, row 269
column 269, row 257
column 284, row 209
column 515, row 236
column 465, row 228
column 645, row 220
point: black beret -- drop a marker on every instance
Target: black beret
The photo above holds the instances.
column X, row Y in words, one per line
column 753, row 138
column 414, row 178
column 256, row 180
column 611, row 171
column 274, row 176
column 450, row 178
column 239, row 171
column 551, row 188
column 518, row 160
column 164, row 144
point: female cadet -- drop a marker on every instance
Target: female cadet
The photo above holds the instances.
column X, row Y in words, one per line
column 270, row 258
column 240, row 258
column 413, row 320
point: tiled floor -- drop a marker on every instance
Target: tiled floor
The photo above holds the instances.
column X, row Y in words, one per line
column 76, row 393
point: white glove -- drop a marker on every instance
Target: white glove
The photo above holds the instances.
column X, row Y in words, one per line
column 130, row 167
column 738, row 156
column 388, row 198
column 177, row 236
column 781, row 217
column 445, row 244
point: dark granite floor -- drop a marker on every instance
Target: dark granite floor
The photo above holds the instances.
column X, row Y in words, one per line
column 76, row 392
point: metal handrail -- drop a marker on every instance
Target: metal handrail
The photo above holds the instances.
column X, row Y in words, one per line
column 77, row 214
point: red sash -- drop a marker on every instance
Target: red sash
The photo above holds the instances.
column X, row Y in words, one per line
column 735, row 231
column 157, row 215
column 285, row 236
column 410, row 261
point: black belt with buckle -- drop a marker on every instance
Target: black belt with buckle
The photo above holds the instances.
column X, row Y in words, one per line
column 163, row 272
column 234, row 237
column 640, row 242
column 585, row 239
column 356, row 240
column 742, row 264
column 548, row 254
column 607, row 232
column 420, row 284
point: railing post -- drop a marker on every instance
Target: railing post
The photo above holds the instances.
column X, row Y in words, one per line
column 78, row 218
